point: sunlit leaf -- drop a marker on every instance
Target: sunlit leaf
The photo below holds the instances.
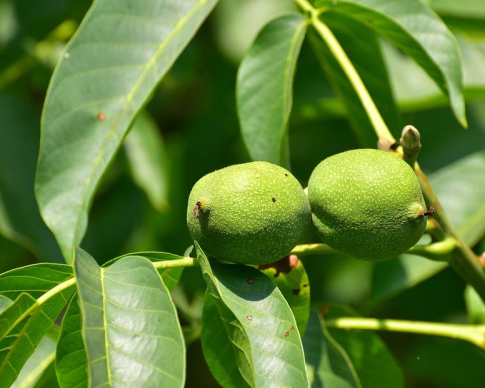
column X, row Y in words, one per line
column 259, row 323
column 130, row 327
column 117, row 57
column 71, row 354
column 264, row 87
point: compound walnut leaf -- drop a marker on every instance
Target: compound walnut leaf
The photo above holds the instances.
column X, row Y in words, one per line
column 129, row 324
column 117, row 57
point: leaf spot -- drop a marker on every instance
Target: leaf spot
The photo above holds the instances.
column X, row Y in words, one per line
column 250, row 281
column 287, row 334
column 250, row 317
column 101, row 116
column 295, row 291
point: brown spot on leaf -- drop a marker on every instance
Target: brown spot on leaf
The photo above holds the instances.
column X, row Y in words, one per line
column 287, row 334
column 292, row 328
column 324, row 310
column 286, row 264
column 305, row 285
column 101, row 116
column 250, row 317
column 273, row 199
column 296, row 291
column 250, row 281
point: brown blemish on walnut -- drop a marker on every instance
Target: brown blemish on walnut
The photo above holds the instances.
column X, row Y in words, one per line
column 196, row 209
column 430, row 212
column 273, row 199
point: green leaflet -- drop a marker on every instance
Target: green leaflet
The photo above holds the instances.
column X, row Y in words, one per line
column 265, row 86
column 130, row 327
column 292, row 280
column 362, row 47
column 428, row 42
column 328, row 364
column 116, row 58
column 148, row 160
column 36, row 318
column 259, row 323
column 71, row 359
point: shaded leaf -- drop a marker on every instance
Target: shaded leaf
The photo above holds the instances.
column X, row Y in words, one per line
column 457, row 181
column 474, row 306
column 328, row 363
column 20, row 219
column 218, row 348
column 259, row 323
column 362, row 47
column 114, row 61
column 418, row 32
column 35, row 280
column 71, row 360
column 36, row 370
column 135, row 341
column 374, row 363
column 295, row 287
column 148, row 160
column 14, row 313
column 264, row 89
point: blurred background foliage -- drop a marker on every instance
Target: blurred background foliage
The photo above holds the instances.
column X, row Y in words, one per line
column 190, row 128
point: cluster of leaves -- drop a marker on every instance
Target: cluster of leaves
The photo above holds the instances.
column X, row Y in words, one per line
column 255, row 325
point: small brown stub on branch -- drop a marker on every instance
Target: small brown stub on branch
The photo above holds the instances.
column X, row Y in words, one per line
column 101, row 116
column 250, row 317
column 287, row 334
column 481, row 259
column 286, row 264
column 430, row 212
column 196, row 209
column 250, row 281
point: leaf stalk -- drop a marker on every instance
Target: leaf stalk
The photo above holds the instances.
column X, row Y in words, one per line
column 471, row 333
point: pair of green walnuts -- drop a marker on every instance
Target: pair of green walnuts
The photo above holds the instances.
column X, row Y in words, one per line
column 366, row 203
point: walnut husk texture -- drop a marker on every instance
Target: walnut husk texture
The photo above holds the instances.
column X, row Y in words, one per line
column 366, row 203
column 251, row 213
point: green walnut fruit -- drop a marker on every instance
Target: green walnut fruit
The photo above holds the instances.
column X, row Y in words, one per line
column 367, row 203
column 251, row 213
